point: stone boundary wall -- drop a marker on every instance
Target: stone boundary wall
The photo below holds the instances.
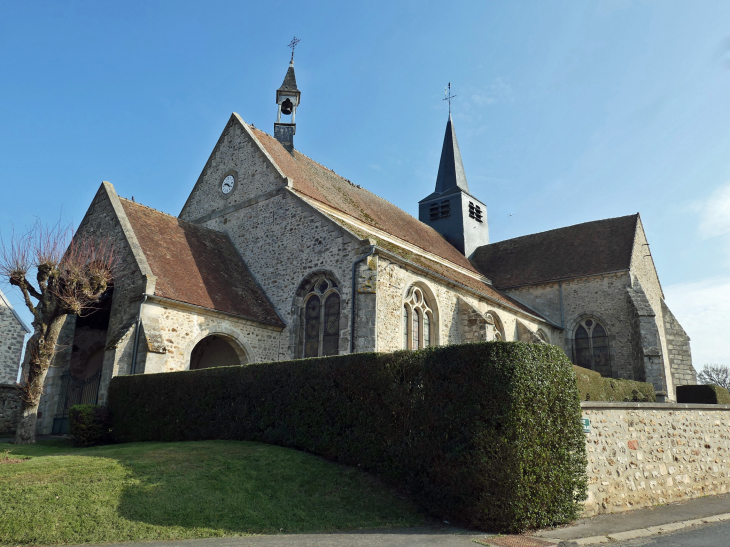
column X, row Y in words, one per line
column 9, row 407
column 644, row 454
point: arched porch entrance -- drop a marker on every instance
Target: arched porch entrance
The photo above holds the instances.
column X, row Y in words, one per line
column 217, row 351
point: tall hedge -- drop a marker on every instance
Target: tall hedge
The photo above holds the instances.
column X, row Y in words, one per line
column 487, row 435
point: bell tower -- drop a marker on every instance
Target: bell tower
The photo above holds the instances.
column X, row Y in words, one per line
column 287, row 99
column 451, row 209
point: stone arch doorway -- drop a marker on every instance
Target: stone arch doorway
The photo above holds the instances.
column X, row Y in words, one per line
column 217, row 351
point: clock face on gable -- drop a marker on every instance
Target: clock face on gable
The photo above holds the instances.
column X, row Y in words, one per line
column 228, row 183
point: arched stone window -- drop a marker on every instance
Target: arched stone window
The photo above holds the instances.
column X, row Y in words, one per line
column 590, row 344
column 321, row 321
column 418, row 320
column 543, row 336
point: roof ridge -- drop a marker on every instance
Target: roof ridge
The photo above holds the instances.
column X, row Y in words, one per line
column 560, row 228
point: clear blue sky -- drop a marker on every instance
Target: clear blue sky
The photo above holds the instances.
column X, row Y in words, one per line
column 566, row 112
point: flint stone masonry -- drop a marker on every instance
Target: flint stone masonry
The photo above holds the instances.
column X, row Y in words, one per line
column 644, row 454
column 12, row 336
column 9, row 407
column 602, row 297
column 459, row 316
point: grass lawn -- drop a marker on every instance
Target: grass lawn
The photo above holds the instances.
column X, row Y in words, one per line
column 150, row 491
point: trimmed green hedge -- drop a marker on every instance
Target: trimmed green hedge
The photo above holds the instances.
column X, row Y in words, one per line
column 594, row 387
column 708, row 394
column 89, row 424
column 487, row 435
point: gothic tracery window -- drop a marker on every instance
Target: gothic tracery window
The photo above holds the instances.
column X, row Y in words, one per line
column 417, row 320
column 321, row 324
column 591, row 347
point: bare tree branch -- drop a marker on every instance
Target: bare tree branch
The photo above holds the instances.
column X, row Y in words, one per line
column 718, row 375
column 73, row 272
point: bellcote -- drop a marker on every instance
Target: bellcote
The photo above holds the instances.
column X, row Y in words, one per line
column 287, row 99
column 451, row 209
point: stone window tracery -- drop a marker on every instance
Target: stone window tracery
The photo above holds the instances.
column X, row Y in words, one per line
column 590, row 346
column 417, row 320
column 321, row 324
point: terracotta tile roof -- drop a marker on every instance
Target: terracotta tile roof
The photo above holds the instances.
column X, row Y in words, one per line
column 442, row 270
column 197, row 265
column 585, row 249
column 323, row 185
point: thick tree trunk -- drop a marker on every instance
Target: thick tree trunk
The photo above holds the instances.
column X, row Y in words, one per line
column 41, row 349
column 25, row 430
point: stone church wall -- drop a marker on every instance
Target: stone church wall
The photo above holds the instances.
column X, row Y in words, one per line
column 602, row 297
column 453, row 309
column 9, row 408
column 680, row 356
column 237, row 154
column 12, row 336
column 280, row 237
column 283, row 240
column 180, row 330
column 642, row 267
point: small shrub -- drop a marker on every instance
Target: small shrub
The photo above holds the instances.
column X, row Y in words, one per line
column 487, row 434
column 89, row 424
column 594, row 387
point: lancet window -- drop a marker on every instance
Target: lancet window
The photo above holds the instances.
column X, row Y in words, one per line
column 591, row 347
column 418, row 322
column 321, row 324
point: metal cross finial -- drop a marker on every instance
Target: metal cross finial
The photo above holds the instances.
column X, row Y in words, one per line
column 449, row 96
column 292, row 45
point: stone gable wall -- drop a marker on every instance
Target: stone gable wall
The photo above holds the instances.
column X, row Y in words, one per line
column 642, row 268
column 283, row 241
column 236, row 153
column 12, row 336
column 601, row 296
column 644, row 454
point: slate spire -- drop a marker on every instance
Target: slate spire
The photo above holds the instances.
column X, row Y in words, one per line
column 451, row 169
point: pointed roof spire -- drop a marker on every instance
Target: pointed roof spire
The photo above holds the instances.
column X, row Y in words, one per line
column 451, row 169
column 290, row 80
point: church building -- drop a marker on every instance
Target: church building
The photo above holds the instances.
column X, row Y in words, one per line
column 275, row 257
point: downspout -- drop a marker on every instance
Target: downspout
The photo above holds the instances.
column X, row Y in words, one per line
column 353, row 294
column 560, row 289
column 136, row 335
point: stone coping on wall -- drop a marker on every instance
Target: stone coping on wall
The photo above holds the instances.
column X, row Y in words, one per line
column 597, row 405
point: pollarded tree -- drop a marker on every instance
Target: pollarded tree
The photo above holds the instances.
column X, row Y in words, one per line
column 718, row 375
column 71, row 274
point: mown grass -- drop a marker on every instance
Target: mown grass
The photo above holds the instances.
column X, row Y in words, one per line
column 151, row 491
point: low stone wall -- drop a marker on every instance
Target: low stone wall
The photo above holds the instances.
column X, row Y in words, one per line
column 9, row 407
column 644, row 454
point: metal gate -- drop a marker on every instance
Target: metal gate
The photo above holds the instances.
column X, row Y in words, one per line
column 74, row 391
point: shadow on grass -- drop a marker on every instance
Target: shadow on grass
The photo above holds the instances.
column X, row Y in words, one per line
column 186, row 490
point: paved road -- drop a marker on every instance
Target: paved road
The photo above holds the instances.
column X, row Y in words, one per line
column 706, row 535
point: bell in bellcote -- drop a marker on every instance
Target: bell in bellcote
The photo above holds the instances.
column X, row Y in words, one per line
column 286, row 107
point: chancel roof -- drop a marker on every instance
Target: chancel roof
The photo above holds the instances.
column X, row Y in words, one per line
column 197, row 265
column 581, row 250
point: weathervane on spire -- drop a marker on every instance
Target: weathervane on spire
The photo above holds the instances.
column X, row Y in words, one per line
column 292, row 45
column 449, row 96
